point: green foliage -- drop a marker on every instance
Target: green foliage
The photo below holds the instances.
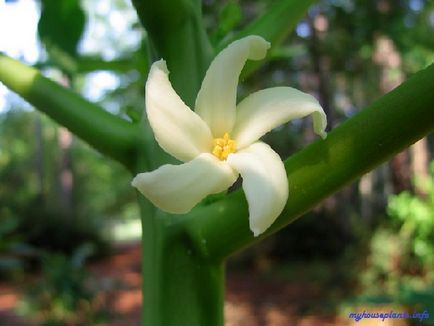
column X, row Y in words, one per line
column 415, row 218
column 228, row 19
column 399, row 267
column 64, row 296
column 31, row 210
column 61, row 25
column 12, row 247
column 386, row 263
column 15, row 161
column 49, row 229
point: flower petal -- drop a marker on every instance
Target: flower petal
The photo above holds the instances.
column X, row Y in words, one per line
column 177, row 129
column 264, row 182
column 216, row 100
column 178, row 188
column 264, row 110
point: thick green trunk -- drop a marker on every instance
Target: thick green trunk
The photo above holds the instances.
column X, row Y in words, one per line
column 180, row 287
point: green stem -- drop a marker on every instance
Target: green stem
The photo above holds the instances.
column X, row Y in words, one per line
column 274, row 25
column 179, row 286
column 105, row 132
column 390, row 124
column 176, row 31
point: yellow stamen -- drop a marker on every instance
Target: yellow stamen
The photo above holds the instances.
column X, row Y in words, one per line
column 223, row 147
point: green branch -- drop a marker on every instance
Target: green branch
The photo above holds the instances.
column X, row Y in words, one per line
column 390, row 124
column 105, row 132
column 90, row 64
column 274, row 25
column 176, row 32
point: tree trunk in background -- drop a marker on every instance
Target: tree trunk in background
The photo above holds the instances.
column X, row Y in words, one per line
column 319, row 67
column 66, row 179
column 366, row 191
column 420, row 164
column 39, row 156
column 400, row 172
column 65, row 172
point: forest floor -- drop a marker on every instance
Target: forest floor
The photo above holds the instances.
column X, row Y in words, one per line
column 251, row 299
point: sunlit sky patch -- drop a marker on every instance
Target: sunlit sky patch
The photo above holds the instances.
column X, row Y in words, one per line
column 98, row 83
column 416, row 5
column 108, row 33
column 18, row 29
column 303, row 29
column 108, row 30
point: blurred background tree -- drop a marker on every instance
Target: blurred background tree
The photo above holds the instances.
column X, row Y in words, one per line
column 365, row 243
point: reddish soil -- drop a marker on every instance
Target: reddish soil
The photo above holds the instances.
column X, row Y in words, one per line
column 251, row 300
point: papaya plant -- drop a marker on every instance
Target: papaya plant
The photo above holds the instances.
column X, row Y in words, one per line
column 184, row 245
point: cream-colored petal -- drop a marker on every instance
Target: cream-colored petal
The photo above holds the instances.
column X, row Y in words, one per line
column 178, row 188
column 177, row 129
column 264, row 182
column 216, row 100
column 264, row 110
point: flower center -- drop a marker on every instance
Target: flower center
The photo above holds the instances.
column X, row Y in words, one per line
column 223, row 146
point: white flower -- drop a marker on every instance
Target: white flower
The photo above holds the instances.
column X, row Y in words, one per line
column 219, row 140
